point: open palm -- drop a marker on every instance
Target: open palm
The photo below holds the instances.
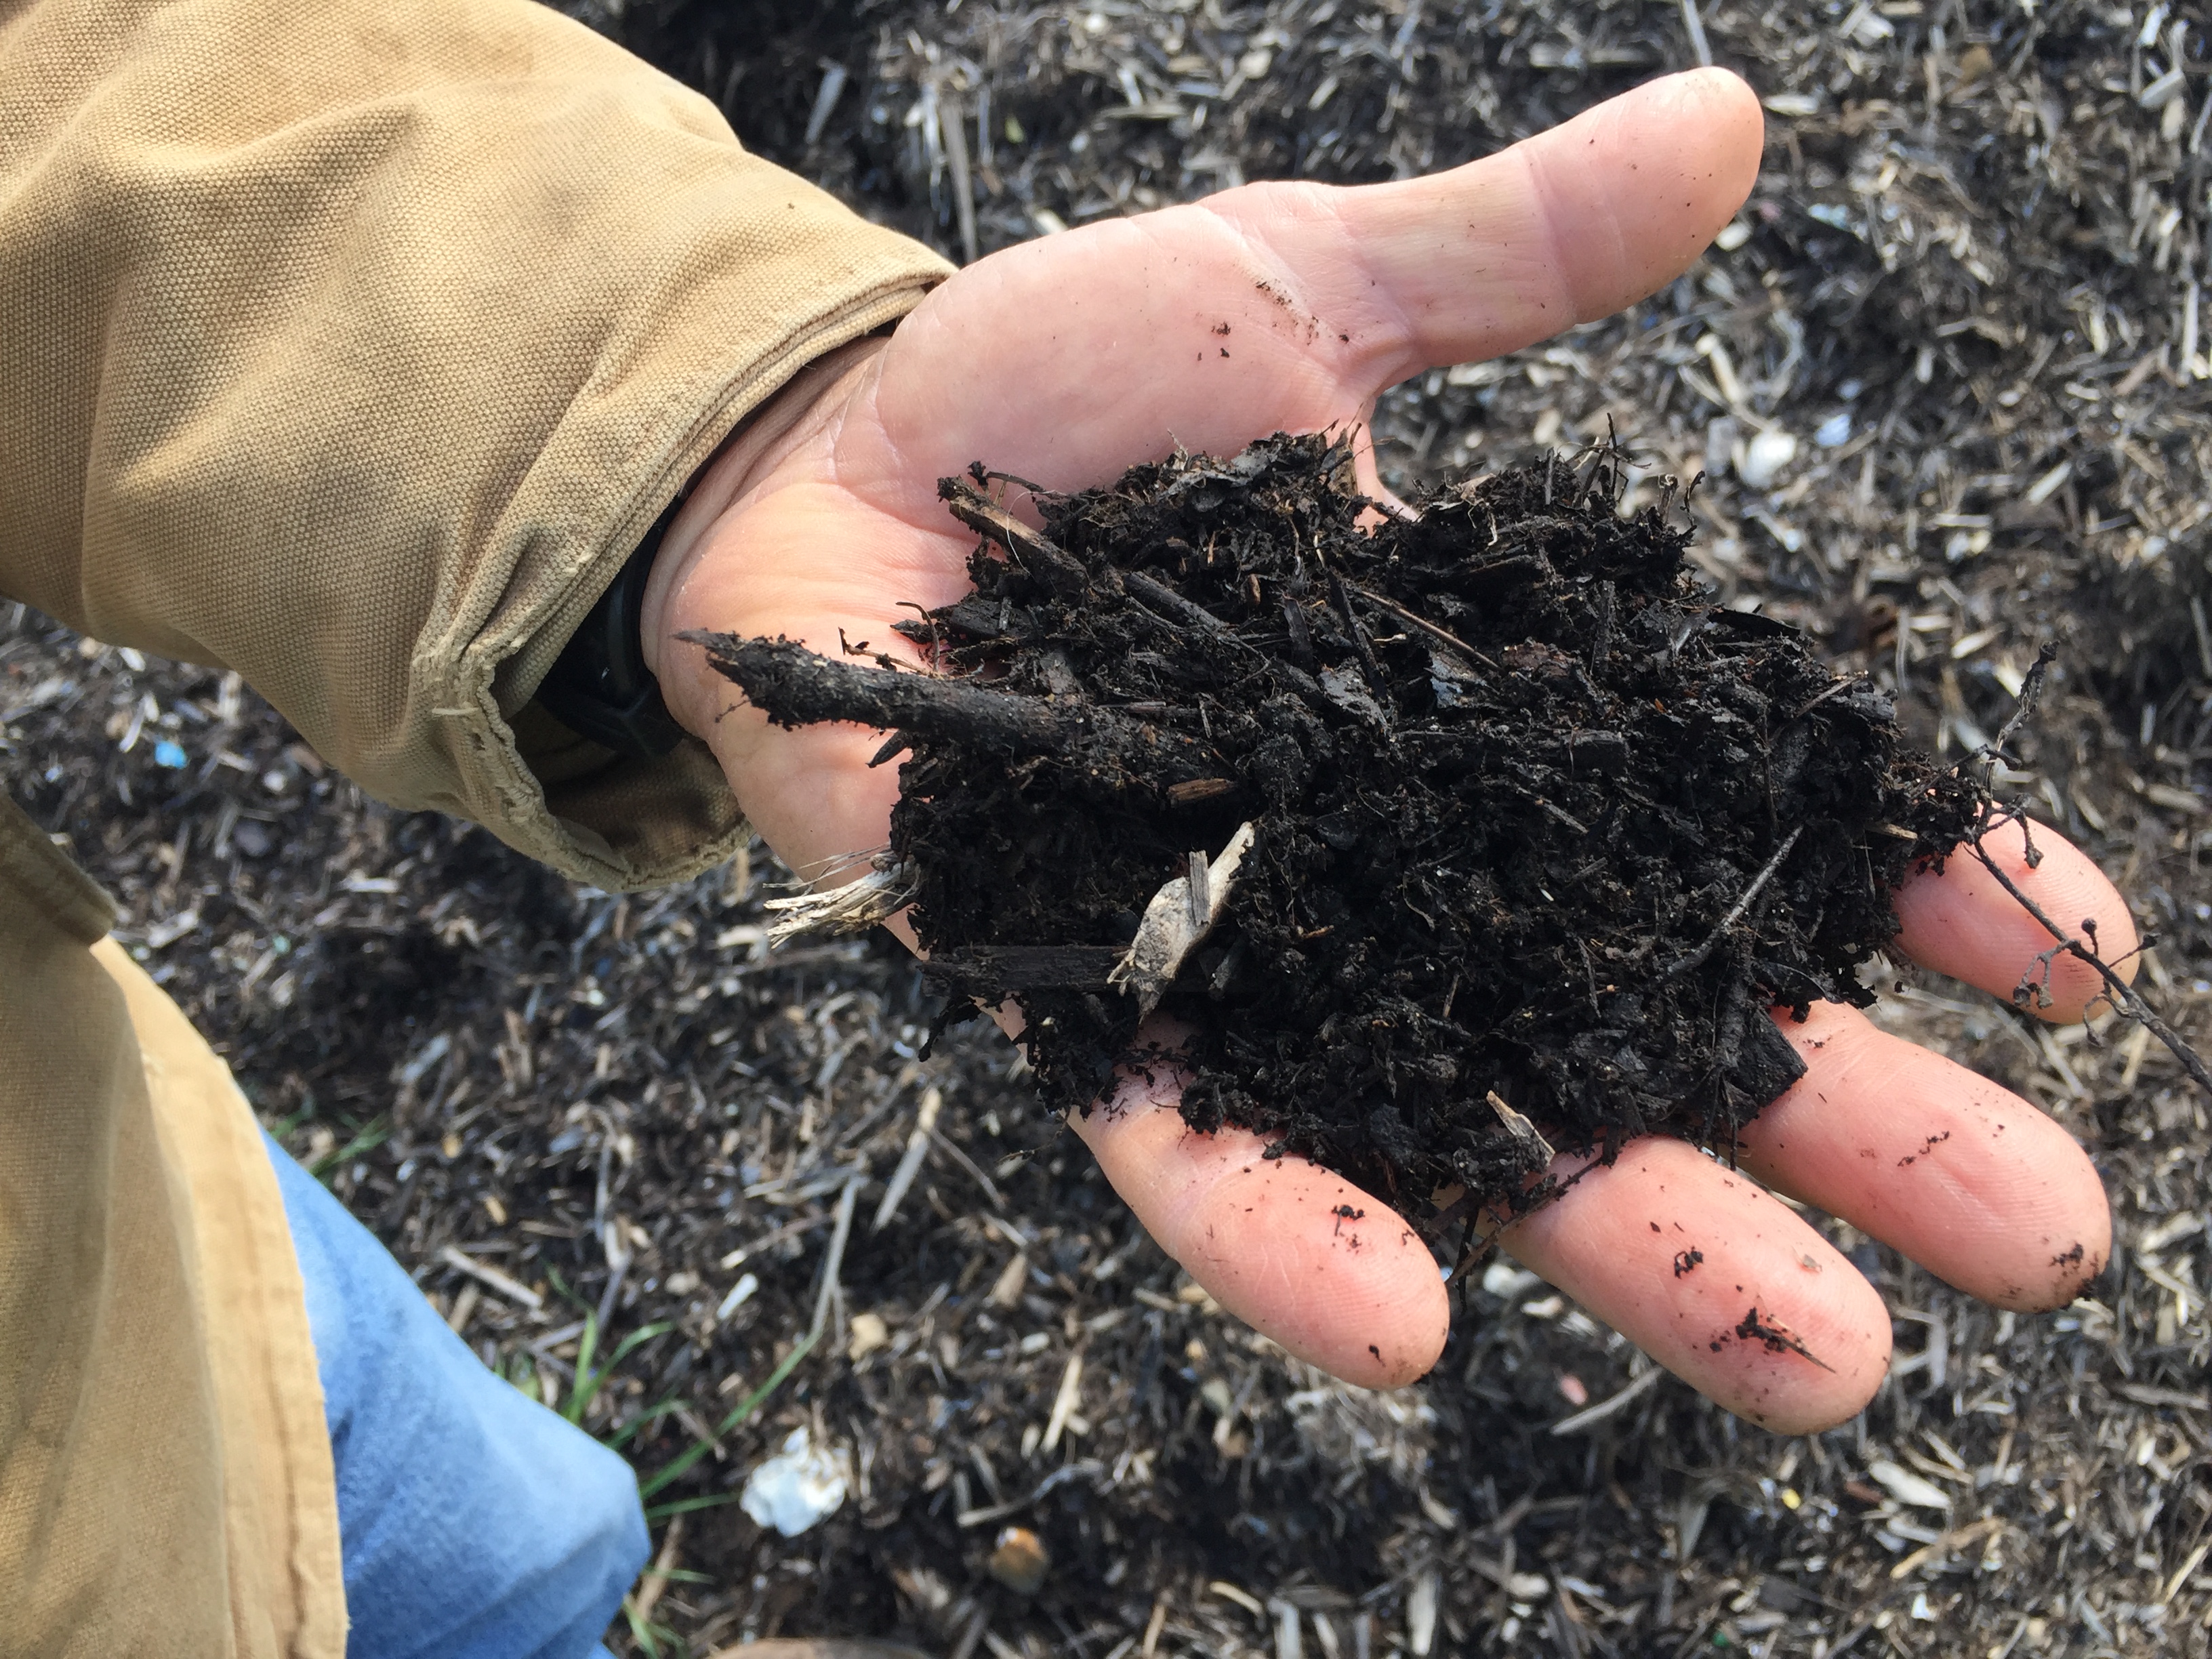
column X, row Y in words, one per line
column 1290, row 307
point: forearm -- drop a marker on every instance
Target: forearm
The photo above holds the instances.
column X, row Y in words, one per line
column 354, row 348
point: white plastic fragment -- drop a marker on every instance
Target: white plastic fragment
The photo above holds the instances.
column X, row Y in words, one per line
column 1764, row 457
column 1501, row 1279
column 800, row 1486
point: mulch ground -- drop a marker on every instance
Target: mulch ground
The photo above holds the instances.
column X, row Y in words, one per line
column 1948, row 375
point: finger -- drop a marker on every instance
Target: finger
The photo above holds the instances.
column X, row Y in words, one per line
column 1717, row 1281
column 1288, row 306
column 1563, row 228
column 1330, row 1272
column 1965, row 1178
column 1964, row 923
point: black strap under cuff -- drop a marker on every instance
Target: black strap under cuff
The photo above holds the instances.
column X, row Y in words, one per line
column 599, row 687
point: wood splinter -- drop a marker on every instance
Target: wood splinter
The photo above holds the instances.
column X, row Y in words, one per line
column 1522, row 1131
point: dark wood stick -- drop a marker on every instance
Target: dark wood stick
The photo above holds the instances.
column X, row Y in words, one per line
column 1376, row 682
column 2031, row 694
column 1109, row 753
column 1157, row 597
column 794, row 687
column 986, row 970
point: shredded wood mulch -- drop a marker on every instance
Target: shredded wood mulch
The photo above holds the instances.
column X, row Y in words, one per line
column 1947, row 376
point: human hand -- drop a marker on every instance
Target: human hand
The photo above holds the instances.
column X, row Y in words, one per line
column 1291, row 307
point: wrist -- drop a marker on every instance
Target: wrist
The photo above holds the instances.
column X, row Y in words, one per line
column 798, row 417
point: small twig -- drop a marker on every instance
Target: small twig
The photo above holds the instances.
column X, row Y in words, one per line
column 1367, row 662
column 991, row 474
column 1034, row 551
column 936, row 634
column 2122, row 996
column 655, row 1582
column 2031, row 694
column 1836, row 690
column 834, row 1260
column 1683, row 964
column 1701, row 48
column 1601, row 640
column 1412, row 620
column 1591, row 1416
column 619, row 1267
column 515, row 1291
column 609, row 1226
column 953, row 1150
column 1601, row 451
column 910, row 1165
column 793, row 686
column 952, row 129
column 1157, row 597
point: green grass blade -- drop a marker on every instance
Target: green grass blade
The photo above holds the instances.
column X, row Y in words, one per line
column 647, row 1419
column 743, row 1409
column 586, row 1384
column 365, row 1139
column 640, row 1630
column 588, row 1380
column 635, row 1339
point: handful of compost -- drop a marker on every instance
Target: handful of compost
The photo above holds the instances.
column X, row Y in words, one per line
column 1440, row 842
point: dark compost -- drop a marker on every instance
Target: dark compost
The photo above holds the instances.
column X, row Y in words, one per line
column 1538, row 833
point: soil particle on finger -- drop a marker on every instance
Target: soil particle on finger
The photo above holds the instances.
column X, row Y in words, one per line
column 1774, row 1337
column 1520, row 830
column 1927, row 1148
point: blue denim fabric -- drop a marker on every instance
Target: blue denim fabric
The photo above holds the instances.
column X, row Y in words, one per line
column 474, row 1523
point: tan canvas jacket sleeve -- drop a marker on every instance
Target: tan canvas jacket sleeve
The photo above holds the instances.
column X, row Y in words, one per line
column 354, row 345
